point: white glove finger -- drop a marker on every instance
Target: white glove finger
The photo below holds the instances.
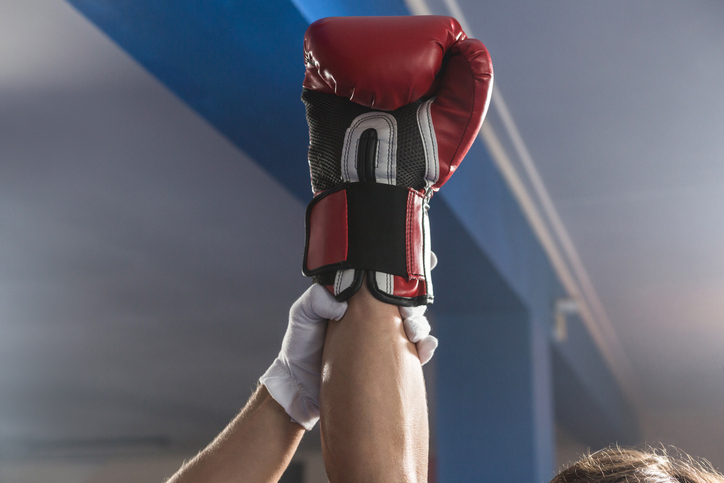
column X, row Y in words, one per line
column 325, row 305
column 426, row 348
column 317, row 304
column 411, row 312
column 308, row 317
column 416, row 328
column 433, row 260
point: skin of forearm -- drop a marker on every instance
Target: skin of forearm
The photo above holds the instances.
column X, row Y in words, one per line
column 256, row 446
column 374, row 419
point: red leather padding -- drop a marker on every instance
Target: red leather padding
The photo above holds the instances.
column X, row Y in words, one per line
column 378, row 62
column 327, row 243
column 410, row 288
column 461, row 103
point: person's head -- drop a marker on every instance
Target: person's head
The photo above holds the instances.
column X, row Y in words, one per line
column 617, row 465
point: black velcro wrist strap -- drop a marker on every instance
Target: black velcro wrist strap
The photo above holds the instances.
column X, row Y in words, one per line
column 370, row 226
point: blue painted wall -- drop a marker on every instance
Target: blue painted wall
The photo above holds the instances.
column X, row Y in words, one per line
column 586, row 398
column 499, row 339
column 493, row 388
column 590, row 403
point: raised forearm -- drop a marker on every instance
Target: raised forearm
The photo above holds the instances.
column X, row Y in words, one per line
column 373, row 405
column 255, row 447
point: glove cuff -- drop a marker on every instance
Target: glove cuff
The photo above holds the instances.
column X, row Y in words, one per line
column 286, row 390
column 376, row 227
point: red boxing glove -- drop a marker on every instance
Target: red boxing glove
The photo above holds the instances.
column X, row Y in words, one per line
column 393, row 105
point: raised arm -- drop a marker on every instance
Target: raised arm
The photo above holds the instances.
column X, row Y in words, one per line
column 393, row 105
column 373, row 404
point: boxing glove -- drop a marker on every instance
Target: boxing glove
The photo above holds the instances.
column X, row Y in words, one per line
column 393, row 105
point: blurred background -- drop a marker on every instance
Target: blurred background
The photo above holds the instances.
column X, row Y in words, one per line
column 153, row 182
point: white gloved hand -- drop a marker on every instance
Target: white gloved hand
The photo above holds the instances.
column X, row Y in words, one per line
column 294, row 378
column 417, row 329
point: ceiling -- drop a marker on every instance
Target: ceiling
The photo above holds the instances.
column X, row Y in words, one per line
column 133, row 263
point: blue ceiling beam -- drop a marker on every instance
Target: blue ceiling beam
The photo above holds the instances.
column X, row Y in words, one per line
column 316, row 9
column 238, row 64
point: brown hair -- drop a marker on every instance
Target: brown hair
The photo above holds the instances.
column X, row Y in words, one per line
column 617, row 465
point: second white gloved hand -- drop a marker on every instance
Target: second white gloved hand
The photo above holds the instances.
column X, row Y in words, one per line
column 417, row 329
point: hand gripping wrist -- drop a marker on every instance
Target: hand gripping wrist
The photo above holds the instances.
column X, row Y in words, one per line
column 294, row 378
column 393, row 104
